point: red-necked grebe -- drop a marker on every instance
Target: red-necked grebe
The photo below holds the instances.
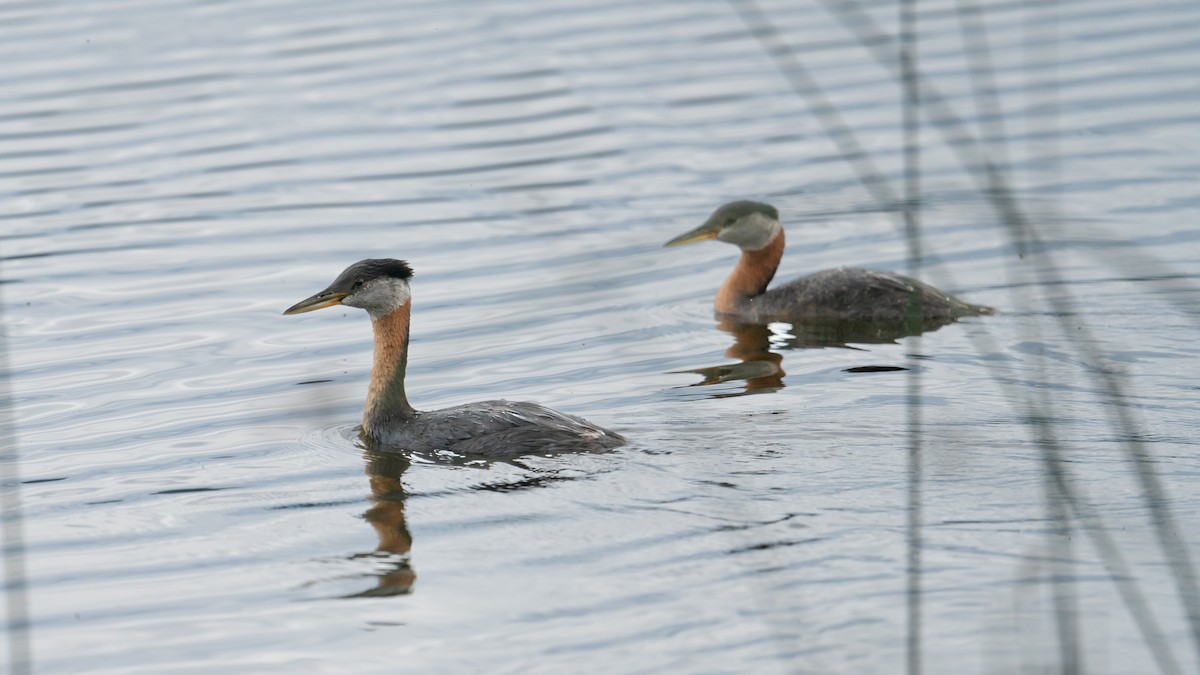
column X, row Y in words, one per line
column 843, row 293
column 487, row 428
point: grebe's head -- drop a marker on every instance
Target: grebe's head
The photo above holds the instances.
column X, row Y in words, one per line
column 378, row 285
column 749, row 225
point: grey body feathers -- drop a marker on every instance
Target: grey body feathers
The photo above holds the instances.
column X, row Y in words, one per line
column 854, row 293
column 496, row 429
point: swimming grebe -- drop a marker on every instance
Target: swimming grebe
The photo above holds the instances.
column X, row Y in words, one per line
column 487, row 428
column 843, row 293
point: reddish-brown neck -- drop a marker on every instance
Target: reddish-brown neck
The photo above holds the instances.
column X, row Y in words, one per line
column 751, row 276
column 385, row 398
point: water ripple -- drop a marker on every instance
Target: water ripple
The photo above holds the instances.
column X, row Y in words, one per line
column 175, row 175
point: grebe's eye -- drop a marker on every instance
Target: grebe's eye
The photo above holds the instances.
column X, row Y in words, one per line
column 357, row 285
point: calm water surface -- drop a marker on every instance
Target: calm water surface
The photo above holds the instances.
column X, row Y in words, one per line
column 177, row 173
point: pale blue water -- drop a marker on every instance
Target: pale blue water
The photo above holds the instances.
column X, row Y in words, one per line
column 175, row 174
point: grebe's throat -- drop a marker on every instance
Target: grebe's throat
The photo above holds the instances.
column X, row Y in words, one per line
column 386, row 401
column 750, row 278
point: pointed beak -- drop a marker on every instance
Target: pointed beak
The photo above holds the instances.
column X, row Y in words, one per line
column 321, row 300
column 705, row 231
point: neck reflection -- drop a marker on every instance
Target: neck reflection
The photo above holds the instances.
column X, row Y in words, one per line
column 395, row 575
column 758, row 349
column 760, row 368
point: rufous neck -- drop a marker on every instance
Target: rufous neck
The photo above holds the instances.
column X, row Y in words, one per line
column 754, row 271
column 386, row 400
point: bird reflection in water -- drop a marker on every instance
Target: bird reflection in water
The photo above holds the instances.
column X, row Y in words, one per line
column 758, row 366
column 395, row 574
column 757, row 348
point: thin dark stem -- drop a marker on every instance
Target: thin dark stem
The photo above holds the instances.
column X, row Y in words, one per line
column 1092, row 525
column 806, row 87
column 20, row 653
column 1065, row 606
column 1042, row 36
column 1066, row 610
column 912, row 231
column 992, row 184
column 983, row 81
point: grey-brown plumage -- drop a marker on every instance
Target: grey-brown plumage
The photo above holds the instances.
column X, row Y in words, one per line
column 495, row 429
column 855, row 293
column 847, row 293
